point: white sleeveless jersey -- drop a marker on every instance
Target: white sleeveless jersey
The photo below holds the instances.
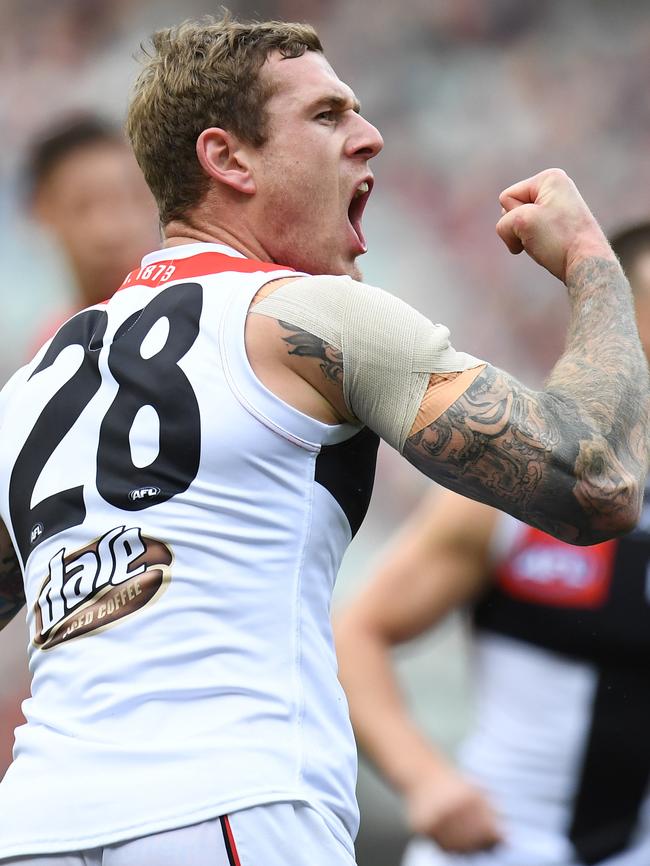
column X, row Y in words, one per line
column 181, row 528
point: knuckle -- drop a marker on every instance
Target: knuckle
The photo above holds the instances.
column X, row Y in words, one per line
column 521, row 221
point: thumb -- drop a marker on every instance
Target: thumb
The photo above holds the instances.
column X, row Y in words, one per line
column 514, row 227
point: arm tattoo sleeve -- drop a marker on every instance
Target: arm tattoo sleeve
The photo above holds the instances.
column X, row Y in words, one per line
column 12, row 593
column 570, row 459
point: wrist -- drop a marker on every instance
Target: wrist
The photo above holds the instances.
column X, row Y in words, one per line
column 594, row 247
column 432, row 768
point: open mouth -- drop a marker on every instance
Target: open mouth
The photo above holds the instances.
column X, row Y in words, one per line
column 356, row 209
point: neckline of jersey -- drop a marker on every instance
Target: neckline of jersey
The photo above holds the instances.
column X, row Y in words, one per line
column 185, row 251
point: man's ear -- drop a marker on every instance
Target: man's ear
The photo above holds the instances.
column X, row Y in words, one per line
column 225, row 159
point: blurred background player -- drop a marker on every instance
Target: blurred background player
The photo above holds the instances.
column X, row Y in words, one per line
column 86, row 190
column 556, row 768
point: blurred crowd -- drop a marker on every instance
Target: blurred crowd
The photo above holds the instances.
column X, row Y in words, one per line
column 469, row 95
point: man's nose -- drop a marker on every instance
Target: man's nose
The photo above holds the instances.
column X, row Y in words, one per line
column 366, row 140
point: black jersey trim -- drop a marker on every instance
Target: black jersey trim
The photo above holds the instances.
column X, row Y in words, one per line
column 347, row 470
column 615, row 771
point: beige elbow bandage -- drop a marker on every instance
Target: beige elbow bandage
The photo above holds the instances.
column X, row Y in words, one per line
column 389, row 349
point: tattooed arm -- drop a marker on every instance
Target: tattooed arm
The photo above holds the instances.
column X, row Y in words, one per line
column 12, row 594
column 551, row 458
column 570, row 459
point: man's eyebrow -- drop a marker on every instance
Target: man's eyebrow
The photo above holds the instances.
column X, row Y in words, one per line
column 339, row 103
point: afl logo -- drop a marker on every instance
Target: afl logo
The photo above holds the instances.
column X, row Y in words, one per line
column 36, row 533
column 144, row 493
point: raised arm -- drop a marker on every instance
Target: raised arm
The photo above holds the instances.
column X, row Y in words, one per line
column 12, row 593
column 437, row 563
column 569, row 459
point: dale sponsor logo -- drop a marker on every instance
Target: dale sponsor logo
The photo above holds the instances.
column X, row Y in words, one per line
column 100, row 584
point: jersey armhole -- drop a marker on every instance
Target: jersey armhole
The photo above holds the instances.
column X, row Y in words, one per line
column 254, row 396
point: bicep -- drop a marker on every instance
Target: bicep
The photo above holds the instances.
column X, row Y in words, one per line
column 12, row 593
column 298, row 367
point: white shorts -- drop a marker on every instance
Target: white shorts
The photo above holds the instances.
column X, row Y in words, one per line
column 277, row 834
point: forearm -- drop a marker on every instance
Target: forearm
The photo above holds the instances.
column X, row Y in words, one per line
column 602, row 380
column 382, row 724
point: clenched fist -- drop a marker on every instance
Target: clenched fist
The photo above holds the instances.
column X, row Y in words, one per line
column 452, row 812
column 546, row 216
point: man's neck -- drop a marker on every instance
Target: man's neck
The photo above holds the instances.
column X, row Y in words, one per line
column 179, row 232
